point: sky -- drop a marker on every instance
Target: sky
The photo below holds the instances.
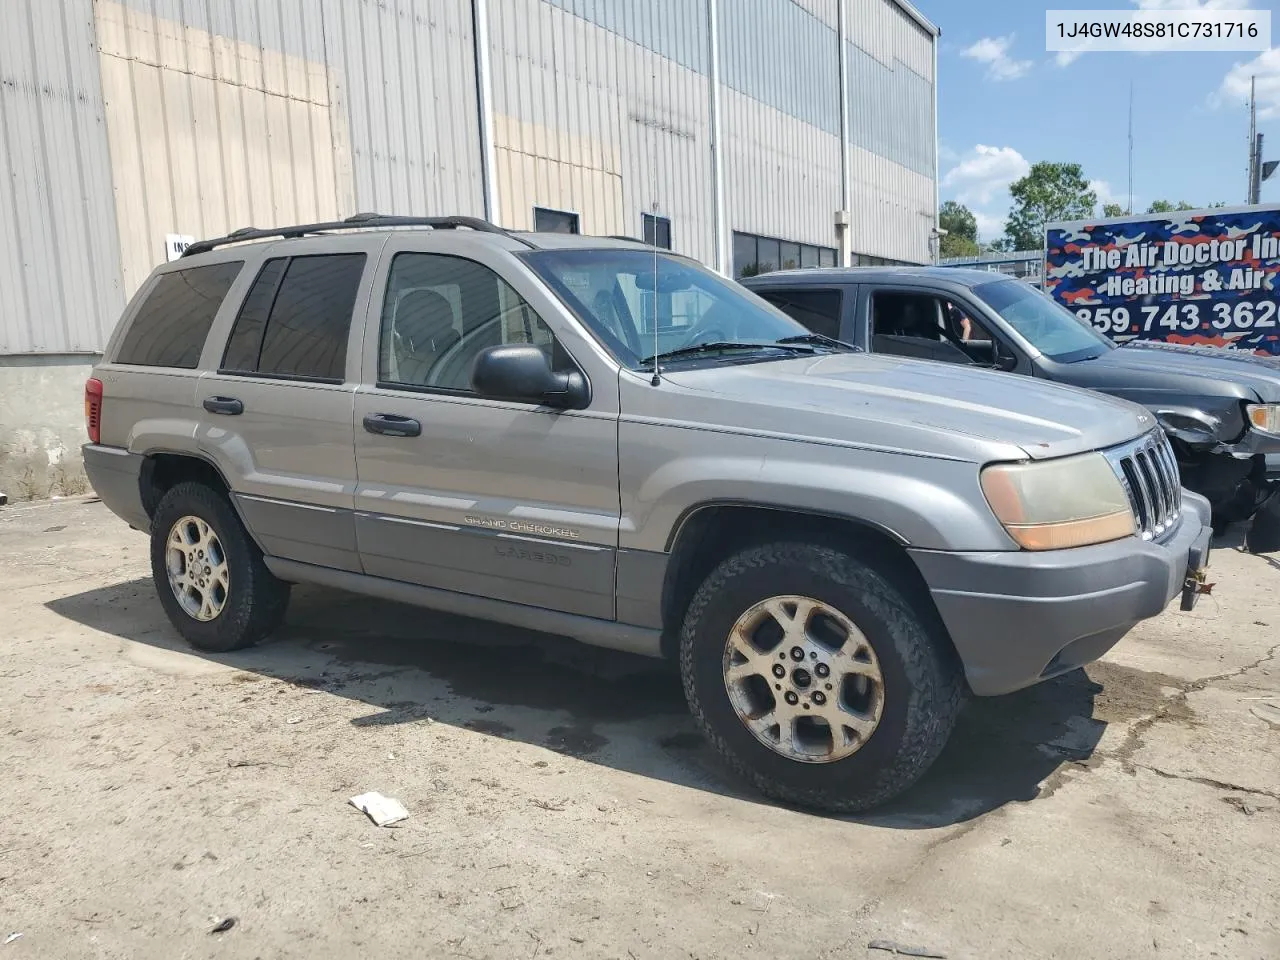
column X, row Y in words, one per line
column 1004, row 103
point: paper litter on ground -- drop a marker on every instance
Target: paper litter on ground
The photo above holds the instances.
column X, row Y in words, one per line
column 381, row 810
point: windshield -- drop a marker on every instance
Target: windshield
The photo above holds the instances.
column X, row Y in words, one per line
column 1048, row 327
column 619, row 296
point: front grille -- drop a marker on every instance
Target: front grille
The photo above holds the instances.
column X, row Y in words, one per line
column 1148, row 471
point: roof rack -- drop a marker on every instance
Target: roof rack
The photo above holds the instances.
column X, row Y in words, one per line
column 354, row 222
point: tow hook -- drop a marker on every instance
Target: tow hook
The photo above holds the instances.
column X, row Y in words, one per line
column 1194, row 587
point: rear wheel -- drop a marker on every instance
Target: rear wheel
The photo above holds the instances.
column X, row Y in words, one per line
column 811, row 674
column 209, row 574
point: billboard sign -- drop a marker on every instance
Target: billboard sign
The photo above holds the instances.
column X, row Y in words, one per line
column 1199, row 277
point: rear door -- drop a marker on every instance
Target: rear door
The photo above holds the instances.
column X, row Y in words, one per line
column 276, row 415
column 824, row 310
column 506, row 500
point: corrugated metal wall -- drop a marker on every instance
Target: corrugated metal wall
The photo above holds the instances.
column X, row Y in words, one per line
column 200, row 116
column 404, row 76
column 780, row 69
column 891, row 160
column 213, row 125
column 59, row 259
column 226, row 113
column 599, row 109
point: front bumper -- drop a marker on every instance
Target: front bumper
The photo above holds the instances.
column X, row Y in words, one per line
column 1017, row 618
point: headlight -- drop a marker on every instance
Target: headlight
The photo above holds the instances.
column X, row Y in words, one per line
column 1264, row 416
column 1054, row 504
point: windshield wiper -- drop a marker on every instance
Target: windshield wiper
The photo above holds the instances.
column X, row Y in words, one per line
column 821, row 340
column 717, row 346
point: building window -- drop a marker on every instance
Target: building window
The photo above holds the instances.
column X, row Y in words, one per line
column 866, row 260
column 657, row 230
column 554, row 221
column 753, row 255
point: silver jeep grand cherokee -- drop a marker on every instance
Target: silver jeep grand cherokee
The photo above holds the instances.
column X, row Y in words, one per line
column 593, row 438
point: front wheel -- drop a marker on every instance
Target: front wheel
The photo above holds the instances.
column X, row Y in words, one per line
column 810, row 673
column 209, row 574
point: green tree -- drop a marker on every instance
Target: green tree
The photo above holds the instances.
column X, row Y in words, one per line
column 1164, row 206
column 1215, row 206
column 962, row 230
column 1048, row 193
column 1112, row 210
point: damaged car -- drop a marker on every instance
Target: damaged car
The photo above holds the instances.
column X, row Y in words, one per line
column 1220, row 410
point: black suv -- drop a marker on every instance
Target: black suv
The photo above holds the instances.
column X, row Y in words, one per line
column 1221, row 410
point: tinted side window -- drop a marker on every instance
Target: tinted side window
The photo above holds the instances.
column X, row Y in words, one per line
column 246, row 338
column 440, row 311
column 172, row 323
column 297, row 317
column 905, row 315
column 819, row 310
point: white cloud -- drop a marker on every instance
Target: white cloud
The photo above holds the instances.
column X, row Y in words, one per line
column 1235, row 85
column 994, row 52
column 984, row 174
column 1064, row 58
column 990, row 226
column 1107, row 195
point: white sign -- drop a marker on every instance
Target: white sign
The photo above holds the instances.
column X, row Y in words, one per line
column 175, row 243
column 1157, row 29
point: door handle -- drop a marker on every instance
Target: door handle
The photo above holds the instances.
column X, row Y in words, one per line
column 391, row 425
column 228, row 406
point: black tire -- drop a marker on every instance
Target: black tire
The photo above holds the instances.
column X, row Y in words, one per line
column 921, row 680
column 1263, row 532
column 255, row 600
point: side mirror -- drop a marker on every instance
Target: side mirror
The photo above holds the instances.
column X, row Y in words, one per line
column 1005, row 361
column 521, row 371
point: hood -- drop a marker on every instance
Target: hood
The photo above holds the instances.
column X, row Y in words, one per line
column 1175, row 368
column 909, row 406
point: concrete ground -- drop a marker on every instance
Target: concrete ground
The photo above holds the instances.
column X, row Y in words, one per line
column 562, row 804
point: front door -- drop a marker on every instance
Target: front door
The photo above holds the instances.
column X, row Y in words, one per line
column 511, row 501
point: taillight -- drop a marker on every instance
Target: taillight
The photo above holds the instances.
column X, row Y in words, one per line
column 93, row 409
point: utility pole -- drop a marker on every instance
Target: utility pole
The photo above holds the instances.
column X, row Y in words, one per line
column 1259, row 174
column 1253, row 140
column 1129, row 211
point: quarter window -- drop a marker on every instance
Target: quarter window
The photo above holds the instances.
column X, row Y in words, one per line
column 441, row 311
column 174, row 320
column 296, row 320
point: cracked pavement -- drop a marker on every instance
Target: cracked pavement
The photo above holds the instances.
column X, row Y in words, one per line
column 561, row 802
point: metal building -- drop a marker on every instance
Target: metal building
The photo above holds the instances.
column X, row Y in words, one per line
column 750, row 134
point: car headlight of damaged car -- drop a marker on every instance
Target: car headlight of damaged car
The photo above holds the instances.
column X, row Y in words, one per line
column 1264, row 417
column 1055, row 504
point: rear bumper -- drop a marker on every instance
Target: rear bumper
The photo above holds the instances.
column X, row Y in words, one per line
column 1020, row 617
column 114, row 473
